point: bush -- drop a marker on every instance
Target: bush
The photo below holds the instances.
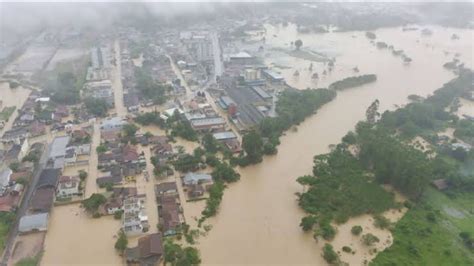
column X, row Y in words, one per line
column 356, row 230
column 381, row 222
column 308, row 222
column 369, row 239
column 346, row 249
column 329, row 254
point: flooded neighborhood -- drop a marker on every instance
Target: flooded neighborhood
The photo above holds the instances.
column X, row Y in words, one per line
column 264, row 138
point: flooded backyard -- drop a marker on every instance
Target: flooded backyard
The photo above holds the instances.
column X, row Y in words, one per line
column 259, row 216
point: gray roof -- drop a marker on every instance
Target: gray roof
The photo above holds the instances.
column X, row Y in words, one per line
column 166, row 186
column 227, row 100
column 273, row 74
column 58, row 147
column 195, row 178
column 112, row 123
column 224, row 135
column 48, row 177
column 263, row 94
column 33, row 222
column 208, row 121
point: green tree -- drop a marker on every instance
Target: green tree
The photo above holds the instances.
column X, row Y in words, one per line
column 356, row 230
column 97, row 107
column 372, row 112
column 82, row 175
column 15, row 166
column 223, row 171
column 129, row 130
column 122, row 242
column 210, row 143
column 329, row 255
column 252, row 144
column 93, row 202
column 101, row 149
column 369, row 239
column 308, row 222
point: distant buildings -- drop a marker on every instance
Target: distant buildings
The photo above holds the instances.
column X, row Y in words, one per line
column 112, row 124
column 208, row 124
column 100, row 90
column 198, row 44
column 99, row 70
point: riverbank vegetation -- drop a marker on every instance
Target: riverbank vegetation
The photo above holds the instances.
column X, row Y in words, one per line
column 347, row 181
column 351, row 82
column 292, row 107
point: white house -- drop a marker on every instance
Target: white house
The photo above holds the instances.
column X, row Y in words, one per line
column 68, row 186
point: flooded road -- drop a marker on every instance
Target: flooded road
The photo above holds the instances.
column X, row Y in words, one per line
column 258, row 221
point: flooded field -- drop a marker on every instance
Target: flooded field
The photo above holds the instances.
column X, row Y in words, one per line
column 62, row 55
column 259, row 215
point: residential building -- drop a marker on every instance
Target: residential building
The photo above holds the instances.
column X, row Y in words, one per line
column 196, row 178
column 166, row 188
column 148, row 252
column 68, row 186
column 100, row 90
column 169, row 215
column 135, row 220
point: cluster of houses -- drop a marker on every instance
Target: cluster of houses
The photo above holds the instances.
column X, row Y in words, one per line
column 169, row 208
column 33, row 117
column 68, row 150
column 157, row 66
column 15, row 173
column 196, row 185
column 120, row 162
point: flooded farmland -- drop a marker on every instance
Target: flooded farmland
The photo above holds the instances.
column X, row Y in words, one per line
column 259, row 216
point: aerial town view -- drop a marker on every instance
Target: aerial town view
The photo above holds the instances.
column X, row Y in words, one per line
column 252, row 133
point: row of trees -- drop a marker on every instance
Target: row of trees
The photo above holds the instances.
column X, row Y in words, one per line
column 351, row 82
column 292, row 107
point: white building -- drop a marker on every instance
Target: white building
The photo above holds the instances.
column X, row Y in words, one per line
column 68, row 186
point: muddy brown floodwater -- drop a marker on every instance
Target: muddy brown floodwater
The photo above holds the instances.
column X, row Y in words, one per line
column 258, row 221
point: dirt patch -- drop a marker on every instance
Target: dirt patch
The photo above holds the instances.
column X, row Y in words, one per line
column 27, row 246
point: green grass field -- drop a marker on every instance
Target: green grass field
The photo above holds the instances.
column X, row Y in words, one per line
column 420, row 239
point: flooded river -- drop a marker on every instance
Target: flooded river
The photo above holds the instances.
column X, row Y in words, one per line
column 259, row 216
